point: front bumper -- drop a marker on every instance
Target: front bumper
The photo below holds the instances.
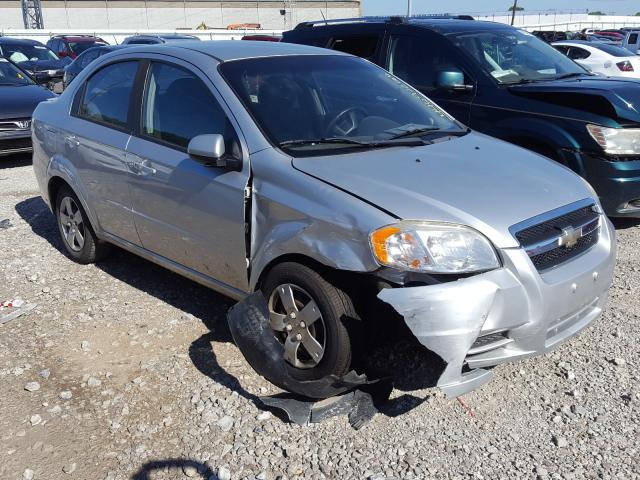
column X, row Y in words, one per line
column 15, row 141
column 617, row 182
column 520, row 311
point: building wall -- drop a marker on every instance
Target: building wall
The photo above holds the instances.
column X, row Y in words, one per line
column 168, row 15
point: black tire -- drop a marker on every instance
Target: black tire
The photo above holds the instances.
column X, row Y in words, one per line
column 91, row 249
column 335, row 307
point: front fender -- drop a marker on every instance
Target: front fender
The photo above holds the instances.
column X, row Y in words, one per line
column 552, row 134
column 293, row 213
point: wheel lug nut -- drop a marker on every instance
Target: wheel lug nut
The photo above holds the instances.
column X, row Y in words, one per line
column 288, row 328
column 292, row 314
column 298, row 336
column 302, row 324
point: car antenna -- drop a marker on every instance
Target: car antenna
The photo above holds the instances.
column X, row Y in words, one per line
column 324, row 18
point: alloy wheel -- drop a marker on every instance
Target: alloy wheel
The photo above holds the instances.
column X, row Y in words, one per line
column 299, row 326
column 72, row 224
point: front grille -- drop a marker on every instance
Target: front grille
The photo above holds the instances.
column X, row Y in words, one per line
column 14, row 143
column 15, row 124
column 555, row 241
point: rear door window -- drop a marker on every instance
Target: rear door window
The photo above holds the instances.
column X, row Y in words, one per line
column 360, row 45
column 633, row 38
column 107, row 95
column 576, row 53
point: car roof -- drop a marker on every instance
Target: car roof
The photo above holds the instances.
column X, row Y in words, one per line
column 78, row 38
column 227, row 50
column 575, row 42
column 18, row 41
column 440, row 24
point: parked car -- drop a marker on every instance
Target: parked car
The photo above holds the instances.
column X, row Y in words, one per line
column 73, row 45
column 600, row 58
column 550, row 35
column 84, row 59
column 155, row 39
column 35, row 58
column 341, row 194
column 509, row 84
column 632, row 41
column 19, row 95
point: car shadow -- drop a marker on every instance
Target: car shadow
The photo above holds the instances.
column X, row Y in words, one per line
column 178, row 465
column 400, row 359
column 13, row 161
column 625, row 223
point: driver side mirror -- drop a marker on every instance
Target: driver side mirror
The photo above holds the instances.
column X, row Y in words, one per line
column 209, row 149
column 452, row 80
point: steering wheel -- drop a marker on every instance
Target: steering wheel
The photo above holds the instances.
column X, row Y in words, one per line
column 346, row 122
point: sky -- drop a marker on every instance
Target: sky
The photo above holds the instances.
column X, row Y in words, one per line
column 387, row 7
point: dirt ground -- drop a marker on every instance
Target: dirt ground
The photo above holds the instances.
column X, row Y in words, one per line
column 138, row 378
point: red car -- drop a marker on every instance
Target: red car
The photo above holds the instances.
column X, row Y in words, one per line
column 73, row 45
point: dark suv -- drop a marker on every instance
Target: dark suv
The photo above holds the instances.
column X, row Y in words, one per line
column 507, row 83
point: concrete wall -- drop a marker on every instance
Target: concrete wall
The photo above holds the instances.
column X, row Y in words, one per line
column 168, row 15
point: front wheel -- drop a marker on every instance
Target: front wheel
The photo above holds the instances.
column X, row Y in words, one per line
column 307, row 315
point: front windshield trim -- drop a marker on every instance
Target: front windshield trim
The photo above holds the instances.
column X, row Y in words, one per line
column 452, row 37
column 349, row 146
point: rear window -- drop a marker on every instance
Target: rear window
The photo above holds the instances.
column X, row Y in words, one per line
column 359, row 45
column 613, row 50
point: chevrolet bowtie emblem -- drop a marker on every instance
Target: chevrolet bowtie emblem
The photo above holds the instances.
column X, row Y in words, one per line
column 569, row 237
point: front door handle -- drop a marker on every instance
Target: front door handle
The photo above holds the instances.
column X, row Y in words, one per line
column 145, row 168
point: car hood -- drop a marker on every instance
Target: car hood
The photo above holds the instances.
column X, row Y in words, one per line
column 475, row 180
column 611, row 97
column 19, row 102
column 40, row 65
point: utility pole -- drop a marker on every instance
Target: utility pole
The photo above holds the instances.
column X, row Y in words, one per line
column 513, row 11
column 409, row 9
column 32, row 14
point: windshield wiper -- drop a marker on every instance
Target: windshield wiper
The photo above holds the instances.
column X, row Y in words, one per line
column 570, row 75
column 354, row 143
column 321, row 141
column 421, row 131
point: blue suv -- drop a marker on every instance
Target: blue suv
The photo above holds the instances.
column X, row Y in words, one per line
column 507, row 83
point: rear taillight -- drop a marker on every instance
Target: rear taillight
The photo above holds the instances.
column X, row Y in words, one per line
column 625, row 66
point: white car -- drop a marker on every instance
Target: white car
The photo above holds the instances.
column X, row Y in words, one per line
column 601, row 58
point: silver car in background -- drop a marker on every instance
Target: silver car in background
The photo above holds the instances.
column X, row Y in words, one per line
column 350, row 200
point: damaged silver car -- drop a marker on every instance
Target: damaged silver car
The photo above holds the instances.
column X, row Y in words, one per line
column 326, row 184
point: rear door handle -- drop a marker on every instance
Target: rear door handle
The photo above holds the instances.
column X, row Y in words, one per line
column 72, row 141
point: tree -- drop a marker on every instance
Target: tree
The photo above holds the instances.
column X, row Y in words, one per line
column 515, row 8
column 637, row 14
column 598, row 12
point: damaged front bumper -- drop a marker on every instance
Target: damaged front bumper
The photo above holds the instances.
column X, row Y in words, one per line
column 506, row 314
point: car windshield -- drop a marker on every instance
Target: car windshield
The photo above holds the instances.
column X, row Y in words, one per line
column 79, row 47
column 25, row 53
column 514, row 56
column 311, row 104
column 11, row 75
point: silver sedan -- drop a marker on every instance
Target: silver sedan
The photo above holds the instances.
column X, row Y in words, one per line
column 346, row 198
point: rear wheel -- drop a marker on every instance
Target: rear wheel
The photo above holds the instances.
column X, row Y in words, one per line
column 307, row 314
column 78, row 236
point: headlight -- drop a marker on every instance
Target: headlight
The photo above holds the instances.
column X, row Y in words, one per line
column 433, row 247
column 616, row 141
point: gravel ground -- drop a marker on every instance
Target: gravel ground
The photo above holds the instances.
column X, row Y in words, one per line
column 127, row 371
